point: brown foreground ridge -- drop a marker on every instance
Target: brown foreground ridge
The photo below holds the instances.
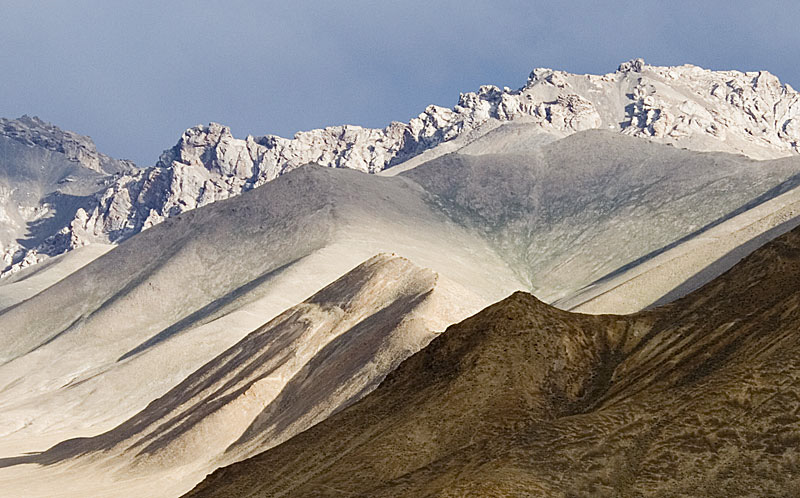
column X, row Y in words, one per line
column 700, row 397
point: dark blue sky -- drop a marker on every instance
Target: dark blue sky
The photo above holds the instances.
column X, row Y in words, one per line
column 134, row 75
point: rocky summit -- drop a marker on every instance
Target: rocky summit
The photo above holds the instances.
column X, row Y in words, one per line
column 748, row 113
column 46, row 176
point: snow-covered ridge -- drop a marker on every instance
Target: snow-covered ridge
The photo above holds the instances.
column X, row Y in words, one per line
column 742, row 112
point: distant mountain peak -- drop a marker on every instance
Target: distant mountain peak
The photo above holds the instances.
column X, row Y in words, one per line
column 45, row 173
column 748, row 113
column 33, row 131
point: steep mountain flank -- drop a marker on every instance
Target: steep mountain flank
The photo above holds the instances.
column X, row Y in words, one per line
column 700, row 397
column 46, row 176
column 308, row 362
column 578, row 209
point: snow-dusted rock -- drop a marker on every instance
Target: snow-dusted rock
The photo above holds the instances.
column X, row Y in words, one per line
column 45, row 175
column 749, row 113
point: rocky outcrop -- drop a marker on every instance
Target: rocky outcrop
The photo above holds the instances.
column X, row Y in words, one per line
column 751, row 110
column 45, row 174
column 742, row 112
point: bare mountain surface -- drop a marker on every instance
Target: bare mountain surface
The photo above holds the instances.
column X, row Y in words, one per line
column 46, row 175
column 37, row 134
column 573, row 211
column 142, row 318
column 136, row 321
column 294, row 371
column 700, row 397
column 33, row 279
column 553, row 221
column 689, row 264
column 748, row 113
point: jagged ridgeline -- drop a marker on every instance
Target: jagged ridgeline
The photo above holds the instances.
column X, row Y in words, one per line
column 242, row 290
column 747, row 113
column 46, row 176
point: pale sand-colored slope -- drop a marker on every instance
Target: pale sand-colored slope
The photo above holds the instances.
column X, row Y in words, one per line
column 567, row 213
column 34, row 279
column 563, row 215
column 517, row 137
column 286, row 376
column 686, row 267
column 257, row 255
column 254, row 255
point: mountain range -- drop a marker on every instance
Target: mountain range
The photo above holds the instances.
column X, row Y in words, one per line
column 198, row 312
column 686, row 106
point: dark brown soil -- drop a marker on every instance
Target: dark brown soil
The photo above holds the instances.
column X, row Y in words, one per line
column 700, row 397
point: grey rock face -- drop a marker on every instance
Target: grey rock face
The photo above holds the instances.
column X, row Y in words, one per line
column 46, row 176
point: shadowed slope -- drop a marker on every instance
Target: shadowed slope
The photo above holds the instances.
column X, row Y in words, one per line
column 573, row 211
column 700, row 397
column 135, row 322
column 46, row 175
column 308, row 362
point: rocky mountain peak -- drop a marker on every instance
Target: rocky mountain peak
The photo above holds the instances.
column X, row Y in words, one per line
column 748, row 113
column 33, row 131
column 632, row 66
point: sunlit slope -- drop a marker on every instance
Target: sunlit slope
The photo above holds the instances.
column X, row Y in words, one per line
column 294, row 371
column 34, row 279
column 673, row 272
column 697, row 398
column 139, row 319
